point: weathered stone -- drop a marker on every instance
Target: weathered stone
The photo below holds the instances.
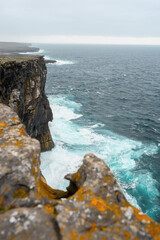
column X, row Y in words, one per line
column 20, row 176
column 99, row 210
column 19, row 158
column 22, row 87
column 21, row 184
column 28, row 224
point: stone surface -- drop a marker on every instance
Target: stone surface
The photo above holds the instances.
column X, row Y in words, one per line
column 98, row 208
column 22, row 87
column 19, row 155
column 28, row 224
column 95, row 207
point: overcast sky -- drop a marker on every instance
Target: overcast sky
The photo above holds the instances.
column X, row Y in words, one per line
column 79, row 20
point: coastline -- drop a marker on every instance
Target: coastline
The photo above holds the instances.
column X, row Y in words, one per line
column 93, row 193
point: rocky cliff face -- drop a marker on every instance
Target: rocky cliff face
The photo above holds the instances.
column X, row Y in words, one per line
column 22, row 83
column 95, row 207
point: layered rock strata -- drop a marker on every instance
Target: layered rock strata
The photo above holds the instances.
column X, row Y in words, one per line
column 95, row 207
column 22, row 87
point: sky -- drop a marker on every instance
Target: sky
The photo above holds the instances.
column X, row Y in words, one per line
column 84, row 21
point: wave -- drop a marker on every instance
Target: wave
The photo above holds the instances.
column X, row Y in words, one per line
column 64, row 62
column 73, row 139
column 33, row 53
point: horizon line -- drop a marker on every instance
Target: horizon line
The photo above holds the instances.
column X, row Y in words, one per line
column 84, row 39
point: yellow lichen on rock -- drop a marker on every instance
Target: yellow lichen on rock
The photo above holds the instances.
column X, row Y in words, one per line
column 3, row 125
column 20, row 193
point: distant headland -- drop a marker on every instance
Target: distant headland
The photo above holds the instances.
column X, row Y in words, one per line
column 12, row 48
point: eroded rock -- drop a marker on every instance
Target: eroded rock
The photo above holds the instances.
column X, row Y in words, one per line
column 99, row 209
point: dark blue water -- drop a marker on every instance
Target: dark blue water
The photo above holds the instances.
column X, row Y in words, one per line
column 106, row 100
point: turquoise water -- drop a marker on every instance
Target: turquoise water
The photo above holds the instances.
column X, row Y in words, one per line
column 105, row 100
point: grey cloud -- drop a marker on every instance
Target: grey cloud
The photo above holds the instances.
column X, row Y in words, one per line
column 137, row 18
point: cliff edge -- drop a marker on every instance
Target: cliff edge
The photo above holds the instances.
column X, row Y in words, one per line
column 22, row 87
column 95, row 207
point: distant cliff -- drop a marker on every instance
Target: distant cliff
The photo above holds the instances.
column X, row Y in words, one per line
column 14, row 47
column 22, row 87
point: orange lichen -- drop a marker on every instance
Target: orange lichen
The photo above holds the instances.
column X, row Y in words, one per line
column 103, row 238
column 127, row 235
column 81, row 194
column 102, row 206
column 1, row 198
column 49, row 208
column 93, row 228
column 141, row 216
column 6, row 190
column 73, row 235
column 50, row 193
column 98, row 203
column 34, row 161
column 11, row 238
column 77, row 176
column 14, row 119
column 18, row 143
column 3, row 146
column 154, row 229
column 103, row 228
column 20, row 193
column 1, row 131
column 22, row 131
column 108, row 178
column 82, row 238
column 3, row 124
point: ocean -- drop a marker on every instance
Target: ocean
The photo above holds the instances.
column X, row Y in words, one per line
column 106, row 100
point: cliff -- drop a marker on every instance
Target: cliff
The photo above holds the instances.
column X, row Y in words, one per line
column 14, row 47
column 95, row 207
column 22, row 87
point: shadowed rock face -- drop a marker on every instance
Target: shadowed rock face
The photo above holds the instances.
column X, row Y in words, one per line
column 95, row 208
column 22, row 87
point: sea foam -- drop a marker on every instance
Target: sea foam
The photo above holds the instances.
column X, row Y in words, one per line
column 73, row 141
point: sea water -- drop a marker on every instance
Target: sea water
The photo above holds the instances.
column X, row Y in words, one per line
column 106, row 100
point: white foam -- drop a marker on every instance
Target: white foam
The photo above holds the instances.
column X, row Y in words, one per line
column 97, row 125
column 63, row 62
column 73, row 141
column 57, row 163
column 33, row 53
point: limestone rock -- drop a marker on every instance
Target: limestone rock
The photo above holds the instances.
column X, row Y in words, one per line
column 22, row 87
column 19, row 158
column 28, row 224
column 99, row 210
